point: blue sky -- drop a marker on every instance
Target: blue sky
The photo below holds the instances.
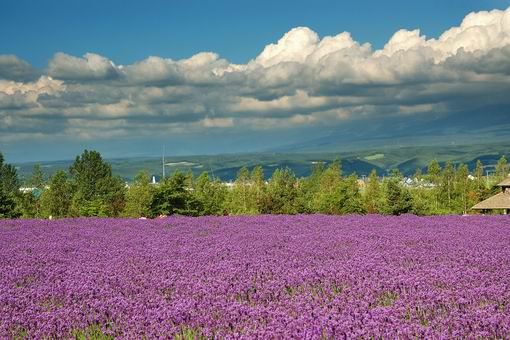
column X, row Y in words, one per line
column 127, row 31
column 236, row 76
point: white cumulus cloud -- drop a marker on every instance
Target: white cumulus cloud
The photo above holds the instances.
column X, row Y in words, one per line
column 301, row 79
column 90, row 67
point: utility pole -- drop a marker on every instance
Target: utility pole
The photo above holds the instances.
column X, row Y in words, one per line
column 163, row 159
column 211, row 169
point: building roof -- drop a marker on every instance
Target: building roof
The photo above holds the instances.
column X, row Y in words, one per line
column 505, row 183
column 499, row 201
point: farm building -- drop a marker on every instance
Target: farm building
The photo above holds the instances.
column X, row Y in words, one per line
column 499, row 201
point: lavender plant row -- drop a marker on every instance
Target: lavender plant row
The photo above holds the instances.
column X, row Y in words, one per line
column 265, row 276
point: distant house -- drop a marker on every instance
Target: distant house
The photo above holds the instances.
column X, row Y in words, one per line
column 35, row 191
column 229, row 185
column 500, row 201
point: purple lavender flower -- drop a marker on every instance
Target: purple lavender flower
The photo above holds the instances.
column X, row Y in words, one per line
column 264, row 276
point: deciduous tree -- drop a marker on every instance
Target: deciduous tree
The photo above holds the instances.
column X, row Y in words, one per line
column 281, row 193
column 139, row 196
column 96, row 191
column 210, row 195
column 398, row 199
column 373, row 194
column 36, row 180
column 9, row 190
column 173, row 197
column 56, row 200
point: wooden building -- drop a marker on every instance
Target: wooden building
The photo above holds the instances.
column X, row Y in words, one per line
column 500, row 201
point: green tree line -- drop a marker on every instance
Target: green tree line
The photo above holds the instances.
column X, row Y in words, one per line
column 89, row 188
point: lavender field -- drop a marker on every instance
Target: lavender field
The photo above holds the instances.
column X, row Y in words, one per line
column 265, row 276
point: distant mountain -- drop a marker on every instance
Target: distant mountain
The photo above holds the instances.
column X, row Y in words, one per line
column 463, row 128
column 224, row 167
column 382, row 159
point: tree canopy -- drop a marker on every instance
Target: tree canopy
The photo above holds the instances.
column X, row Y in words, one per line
column 89, row 188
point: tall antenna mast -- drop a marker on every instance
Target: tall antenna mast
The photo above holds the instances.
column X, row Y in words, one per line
column 211, row 169
column 163, row 159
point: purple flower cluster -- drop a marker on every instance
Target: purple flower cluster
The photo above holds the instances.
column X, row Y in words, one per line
column 264, row 276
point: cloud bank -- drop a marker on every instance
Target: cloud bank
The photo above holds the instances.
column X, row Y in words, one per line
column 300, row 80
